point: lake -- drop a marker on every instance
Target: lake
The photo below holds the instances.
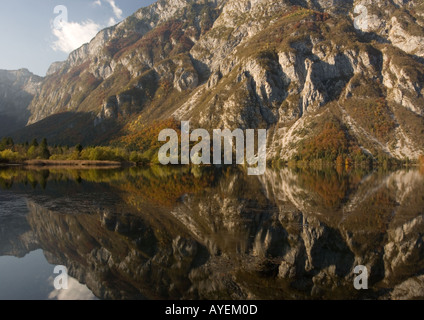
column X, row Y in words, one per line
column 208, row 233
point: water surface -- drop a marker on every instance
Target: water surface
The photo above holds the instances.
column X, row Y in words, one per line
column 203, row 233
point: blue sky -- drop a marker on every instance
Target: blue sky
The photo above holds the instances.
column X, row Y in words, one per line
column 33, row 36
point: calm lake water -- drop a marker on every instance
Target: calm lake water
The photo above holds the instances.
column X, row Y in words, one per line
column 203, row 233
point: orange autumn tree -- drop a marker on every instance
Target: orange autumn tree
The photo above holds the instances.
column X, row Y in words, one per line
column 328, row 144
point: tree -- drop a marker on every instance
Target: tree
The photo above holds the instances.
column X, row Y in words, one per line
column 32, row 152
column 44, row 149
column 6, row 143
column 79, row 148
column 45, row 153
column 34, row 143
column 44, row 143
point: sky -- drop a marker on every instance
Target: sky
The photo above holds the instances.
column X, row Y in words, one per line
column 36, row 33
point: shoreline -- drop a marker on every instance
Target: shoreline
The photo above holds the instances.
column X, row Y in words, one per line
column 81, row 164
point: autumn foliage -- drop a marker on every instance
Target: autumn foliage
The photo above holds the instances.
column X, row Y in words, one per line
column 374, row 115
column 143, row 138
column 328, row 144
column 332, row 144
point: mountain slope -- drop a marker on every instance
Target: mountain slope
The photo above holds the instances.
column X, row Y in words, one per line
column 17, row 89
column 298, row 68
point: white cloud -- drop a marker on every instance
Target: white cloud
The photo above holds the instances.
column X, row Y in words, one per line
column 116, row 10
column 111, row 22
column 73, row 35
column 75, row 291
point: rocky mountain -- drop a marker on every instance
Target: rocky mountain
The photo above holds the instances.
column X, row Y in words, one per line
column 17, row 89
column 305, row 70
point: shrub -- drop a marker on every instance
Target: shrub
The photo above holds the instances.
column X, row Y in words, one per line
column 104, row 154
column 10, row 156
column 138, row 158
column 266, row 58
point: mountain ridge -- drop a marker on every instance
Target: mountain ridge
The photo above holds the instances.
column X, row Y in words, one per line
column 296, row 68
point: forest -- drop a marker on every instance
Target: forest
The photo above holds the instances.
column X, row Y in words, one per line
column 11, row 153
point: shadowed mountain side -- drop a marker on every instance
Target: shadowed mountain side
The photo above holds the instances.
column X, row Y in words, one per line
column 69, row 128
column 10, row 124
column 17, row 89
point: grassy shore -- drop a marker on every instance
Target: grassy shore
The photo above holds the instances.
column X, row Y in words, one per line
column 71, row 163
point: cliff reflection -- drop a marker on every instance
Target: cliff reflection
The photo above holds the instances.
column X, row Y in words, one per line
column 203, row 233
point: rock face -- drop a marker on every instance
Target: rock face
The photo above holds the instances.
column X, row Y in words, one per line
column 410, row 289
column 398, row 22
column 287, row 66
column 17, row 89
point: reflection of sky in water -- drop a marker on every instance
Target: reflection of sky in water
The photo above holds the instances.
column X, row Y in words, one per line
column 31, row 278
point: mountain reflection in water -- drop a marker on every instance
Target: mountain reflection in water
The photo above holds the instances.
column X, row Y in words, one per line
column 203, row 233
